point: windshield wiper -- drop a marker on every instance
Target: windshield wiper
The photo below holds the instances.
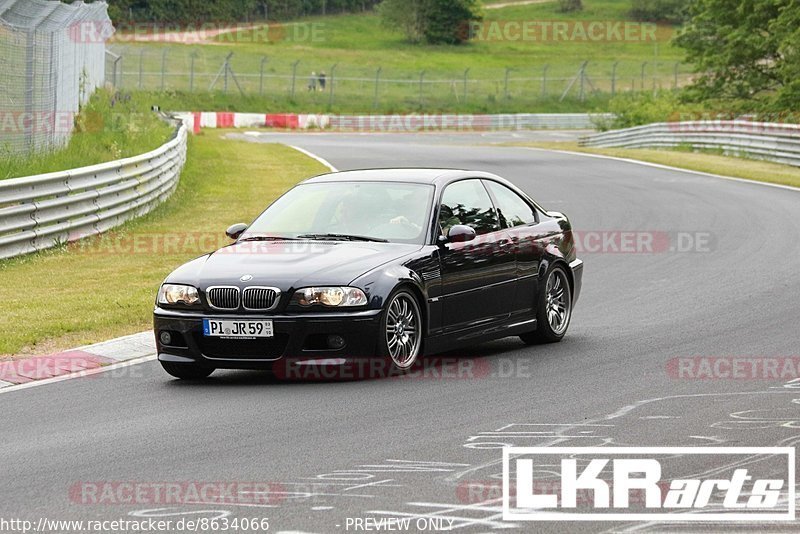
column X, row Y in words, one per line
column 343, row 237
column 267, row 238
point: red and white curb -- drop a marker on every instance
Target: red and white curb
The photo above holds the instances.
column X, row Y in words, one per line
column 89, row 358
column 412, row 122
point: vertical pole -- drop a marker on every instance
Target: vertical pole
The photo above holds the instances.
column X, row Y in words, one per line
column 141, row 67
column 466, row 88
column 294, row 76
column 421, row 82
column 191, row 71
column 330, row 82
column 225, row 74
column 675, row 75
column 261, row 76
column 614, row 78
column 164, row 68
column 117, row 80
column 377, row 86
column 544, row 80
column 505, row 84
column 582, row 94
column 644, row 66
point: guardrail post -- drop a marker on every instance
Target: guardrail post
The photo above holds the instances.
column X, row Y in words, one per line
column 466, row 82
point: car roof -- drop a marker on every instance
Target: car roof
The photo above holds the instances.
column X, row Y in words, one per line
column 406, row 174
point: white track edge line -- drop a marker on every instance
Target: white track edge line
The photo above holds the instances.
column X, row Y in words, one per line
column 78, row 374
column 314, row 156
column 665, row 167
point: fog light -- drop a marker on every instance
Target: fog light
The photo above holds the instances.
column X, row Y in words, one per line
column 335, row 342
column 165, row 337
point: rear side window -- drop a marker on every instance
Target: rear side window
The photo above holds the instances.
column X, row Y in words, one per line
column 467, row 202
column 512, row 209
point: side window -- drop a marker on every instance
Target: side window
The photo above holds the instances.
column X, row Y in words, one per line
column 467, row 202
column 512, row 209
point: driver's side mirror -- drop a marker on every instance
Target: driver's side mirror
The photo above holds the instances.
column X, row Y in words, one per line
column 459, row 233
column 236, row 230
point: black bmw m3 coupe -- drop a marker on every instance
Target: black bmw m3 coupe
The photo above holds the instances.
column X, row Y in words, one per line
column 388, row 263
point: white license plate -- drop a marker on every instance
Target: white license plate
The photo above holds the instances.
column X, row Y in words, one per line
column 237, row 329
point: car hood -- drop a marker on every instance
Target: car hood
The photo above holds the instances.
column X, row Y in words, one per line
column 289, row 264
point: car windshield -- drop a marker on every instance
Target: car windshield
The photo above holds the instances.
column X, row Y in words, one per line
column 380, row 211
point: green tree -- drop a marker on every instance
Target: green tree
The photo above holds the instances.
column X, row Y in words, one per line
column 744, row 49
column 672, row 11
column 568, row 6
column 432, row 21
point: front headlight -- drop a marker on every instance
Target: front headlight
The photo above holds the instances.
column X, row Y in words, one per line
column 330, row 296
column 178, row 294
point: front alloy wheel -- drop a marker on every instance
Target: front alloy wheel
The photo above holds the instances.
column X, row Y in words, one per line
column 402, row 330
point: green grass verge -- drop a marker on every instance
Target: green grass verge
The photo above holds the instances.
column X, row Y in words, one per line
column 359, row 44
column 750, row 169
column 105, row 287
column 110, row 126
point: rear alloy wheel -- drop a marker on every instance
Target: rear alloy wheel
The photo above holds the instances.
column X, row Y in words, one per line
column 554, row 309
column 401, row 330
column 187, row 371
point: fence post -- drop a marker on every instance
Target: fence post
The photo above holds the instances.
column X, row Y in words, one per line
column 331, row 81
column 164, row 67
column 377, row 85
column 421, row 82
column 582, row 93
column 261, row 76
column 644, row 66
column 141, row 67
column 505, row 84
column 294, row 77
column 193, row 55
column 675, row 79
column 544, row 80
column 614, row 78
column 466, row 75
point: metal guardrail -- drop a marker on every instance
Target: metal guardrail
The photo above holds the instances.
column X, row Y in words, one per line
column 43, row 211
column 779, row 143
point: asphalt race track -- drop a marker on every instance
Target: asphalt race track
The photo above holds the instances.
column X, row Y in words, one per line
column 720, row 280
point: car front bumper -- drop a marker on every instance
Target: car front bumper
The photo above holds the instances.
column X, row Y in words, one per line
column 577, row 279
column 297, row 337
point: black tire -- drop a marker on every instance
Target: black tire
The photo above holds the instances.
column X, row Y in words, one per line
column 555, row 297
column 187, row 371
column 401, row 319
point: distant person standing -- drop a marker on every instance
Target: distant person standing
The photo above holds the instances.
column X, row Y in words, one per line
column 312, row 82
column 323, row 79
